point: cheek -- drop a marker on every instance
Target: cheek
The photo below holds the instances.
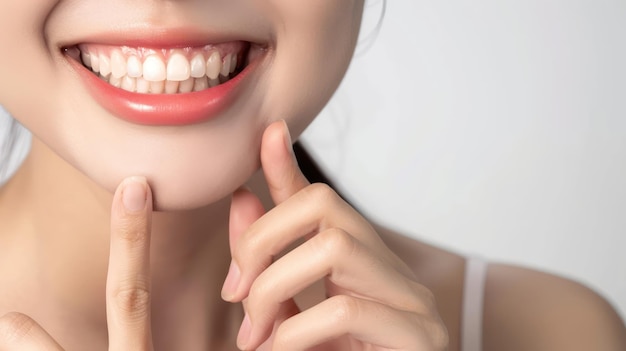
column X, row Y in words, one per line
column 314, row 46
column 190, row 167
column 187, row 167
column 27, row 69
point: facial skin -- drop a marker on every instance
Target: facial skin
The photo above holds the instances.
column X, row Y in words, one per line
column 308, row 46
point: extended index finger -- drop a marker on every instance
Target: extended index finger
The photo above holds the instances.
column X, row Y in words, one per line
column 128, row 280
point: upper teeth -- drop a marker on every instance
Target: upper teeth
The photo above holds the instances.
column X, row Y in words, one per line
column 162, row 71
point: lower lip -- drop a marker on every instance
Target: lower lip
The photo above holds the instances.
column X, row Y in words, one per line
column 163, row 109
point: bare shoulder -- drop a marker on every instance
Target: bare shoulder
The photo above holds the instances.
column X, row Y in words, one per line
column 531, row 310
column 524, row 309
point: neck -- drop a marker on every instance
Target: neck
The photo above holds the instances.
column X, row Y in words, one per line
column 56, row 223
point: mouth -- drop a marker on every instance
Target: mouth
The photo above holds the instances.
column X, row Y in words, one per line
column 171, row 85
column 162, row 71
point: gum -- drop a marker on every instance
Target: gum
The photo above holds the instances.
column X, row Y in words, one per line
column 236, row 47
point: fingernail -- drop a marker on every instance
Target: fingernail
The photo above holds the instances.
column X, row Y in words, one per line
column 244, row 333
column 134, row 194
column 287, row 136
column 232, row 282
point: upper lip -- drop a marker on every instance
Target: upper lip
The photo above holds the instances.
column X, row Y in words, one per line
column 170, row 38
column 160, row 38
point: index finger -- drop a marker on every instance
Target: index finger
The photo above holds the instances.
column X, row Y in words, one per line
column 128, row 280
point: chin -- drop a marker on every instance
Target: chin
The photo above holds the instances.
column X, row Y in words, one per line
column 183, row 102
column 175, row 192
column 180, row 190
column 186, row 168
column 189, row 193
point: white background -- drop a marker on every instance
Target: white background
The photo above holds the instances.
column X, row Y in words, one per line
column 495, row 128
column 492, row 127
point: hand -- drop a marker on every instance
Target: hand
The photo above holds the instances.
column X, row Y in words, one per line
column 373, row 300
column 128, row 281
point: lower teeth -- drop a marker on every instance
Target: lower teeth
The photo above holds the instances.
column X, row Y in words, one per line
column 140, row 85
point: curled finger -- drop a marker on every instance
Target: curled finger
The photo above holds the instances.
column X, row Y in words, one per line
column 367, row 321
column 349, row 268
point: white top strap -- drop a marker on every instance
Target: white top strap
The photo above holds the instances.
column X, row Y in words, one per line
column 473, row 294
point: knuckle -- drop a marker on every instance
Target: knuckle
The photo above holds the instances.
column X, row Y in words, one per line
column 430, row 301
column 439, row 335
column 249, row 243
column 424, row 301
column 133, row 301
column 261, row 291
column 282, row 338
column 321, row 193
column 335, row 242
column 345, row 309
column 15, row 326
column 432, row 331
column 428, row 296
column 332, row 247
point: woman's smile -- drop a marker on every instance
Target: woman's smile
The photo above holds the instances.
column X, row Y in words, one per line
column 163, row 70
column 162, row 82
column 162, row 205
column 192, row 81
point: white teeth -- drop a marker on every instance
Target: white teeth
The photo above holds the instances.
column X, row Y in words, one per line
column 95, row 62
column 118, row 64
column 226, row 66
column 200, row 84
column 157, row 87
column 134, row 67
column 178, row 68
column 105, row 65
column 171, row 86
column 154, row 69
column 187, row 85
column 129, row 83
column 86, row 58
column 115, row 81
column 213, row 65
column 143, row 86
column 198, row 66
column 124, row 69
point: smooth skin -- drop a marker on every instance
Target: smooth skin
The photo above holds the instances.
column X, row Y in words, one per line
column 307, row 271
column 343, row 250
column 353, row 266
column 372, row 299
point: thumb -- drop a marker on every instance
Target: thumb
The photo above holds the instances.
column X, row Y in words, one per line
column 20, row 332
column 280, row 167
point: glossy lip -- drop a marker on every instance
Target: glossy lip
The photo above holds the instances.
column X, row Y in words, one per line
column 146, row 35
column 163, row 109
